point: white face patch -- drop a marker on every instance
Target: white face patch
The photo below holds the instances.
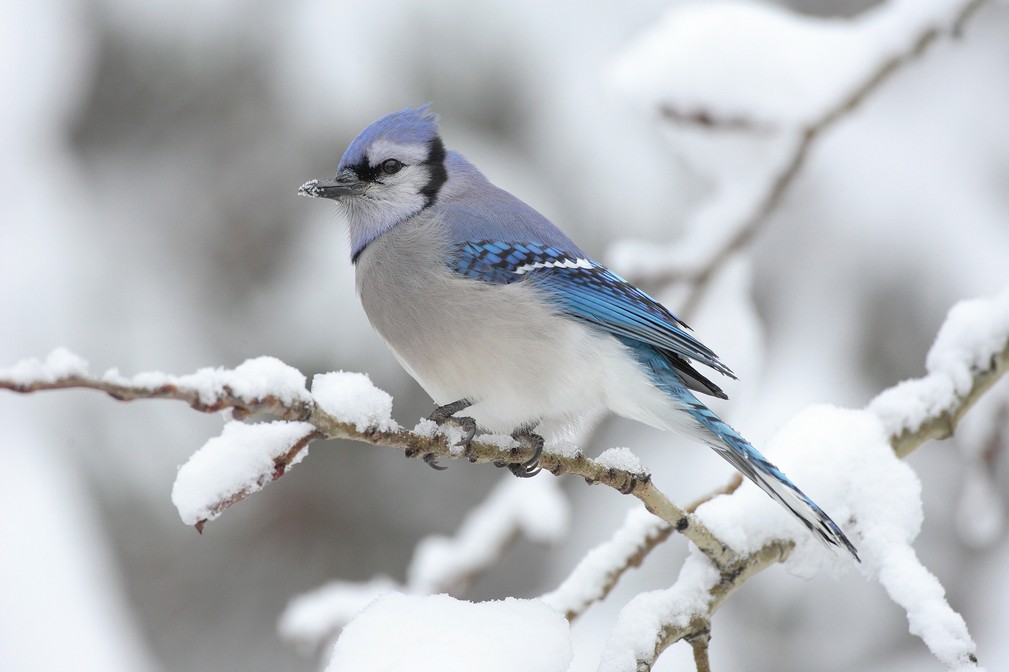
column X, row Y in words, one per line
column 567, row 263
column 383, row 149
column 402, row 187
column 386, row 202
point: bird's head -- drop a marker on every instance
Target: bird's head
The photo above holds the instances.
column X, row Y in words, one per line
column 391, row 171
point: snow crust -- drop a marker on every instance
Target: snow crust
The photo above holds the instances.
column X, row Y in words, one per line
column 352, row 398
column 405, row 633
column 239, row 461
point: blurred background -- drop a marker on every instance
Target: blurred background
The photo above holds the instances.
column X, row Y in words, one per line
column 151, row 156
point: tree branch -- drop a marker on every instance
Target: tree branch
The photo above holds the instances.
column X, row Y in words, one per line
column 699, row 643
column 941, row 425
column 945, row 414
column 735, row 569
column 799, row 142
column 944, row 424
column 413, row 445
column 698, row 630
column 240, row 406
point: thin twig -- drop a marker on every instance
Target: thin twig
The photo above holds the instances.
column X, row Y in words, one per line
column 803, row 140
column 413, row 445
column 943, row 425
column 241, row 407
column 699, row 643
column 730, row 579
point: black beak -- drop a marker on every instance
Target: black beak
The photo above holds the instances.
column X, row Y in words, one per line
column 346, row 183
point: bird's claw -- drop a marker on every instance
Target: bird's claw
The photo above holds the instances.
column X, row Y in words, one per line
column 468, row 427
column 446, row 414
column 530, row 467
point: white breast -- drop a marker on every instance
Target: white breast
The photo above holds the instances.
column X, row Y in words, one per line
column 498, row 345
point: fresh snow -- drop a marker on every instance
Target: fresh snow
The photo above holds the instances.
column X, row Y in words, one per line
column 253, row 379
column 352, row 398
column 426, row 428
column 238, row 462
column 642, row 620
column 406, row 633
column 974, row 331
column 535, row 508
column 58, row 365
column 841, row 459
column 751, row 76
column 585, row 584
column 620, row 458
column 844, row 461
column 316, row 616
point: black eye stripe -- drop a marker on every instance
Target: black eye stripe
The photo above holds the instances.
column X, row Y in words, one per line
column 365, row 172
column 439, row 175
column 369, row 173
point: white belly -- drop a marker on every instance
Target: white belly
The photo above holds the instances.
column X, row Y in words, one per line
column 499, row 346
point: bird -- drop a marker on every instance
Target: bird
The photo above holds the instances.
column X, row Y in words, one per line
column 495, row 311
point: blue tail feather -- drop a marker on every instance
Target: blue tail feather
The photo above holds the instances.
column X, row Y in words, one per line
column 752, row 464
column 728, row 443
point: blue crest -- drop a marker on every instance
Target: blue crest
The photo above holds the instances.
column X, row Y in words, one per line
column 409, row 126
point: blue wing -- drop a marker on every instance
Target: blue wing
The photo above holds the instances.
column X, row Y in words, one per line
column 591, row 293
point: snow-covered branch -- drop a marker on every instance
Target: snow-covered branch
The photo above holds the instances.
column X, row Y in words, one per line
column 857, row 468
column 843, row 64
column 968, row 357
column 340, row 406
column 970, row 354
column 535, row 509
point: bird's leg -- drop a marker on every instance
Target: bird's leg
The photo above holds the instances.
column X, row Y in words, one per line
column 446, row 413
column 525, row 436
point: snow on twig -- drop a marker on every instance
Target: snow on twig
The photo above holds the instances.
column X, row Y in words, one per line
column 232, row 466
column 245, row 390
column 737, row 536
column 533, row 508
column 314, row 618
column 876, row 491
column 970, row 354
column 770, row 107
column 601, row 568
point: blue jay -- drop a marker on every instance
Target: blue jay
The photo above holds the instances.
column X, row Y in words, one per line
column 493, row 309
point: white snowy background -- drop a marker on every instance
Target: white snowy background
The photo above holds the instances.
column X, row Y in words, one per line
column 151, row 154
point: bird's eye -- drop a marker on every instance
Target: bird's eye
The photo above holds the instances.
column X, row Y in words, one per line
column 391, row 166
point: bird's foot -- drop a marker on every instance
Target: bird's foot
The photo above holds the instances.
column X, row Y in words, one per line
column 527, row 439
column 446, row 415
